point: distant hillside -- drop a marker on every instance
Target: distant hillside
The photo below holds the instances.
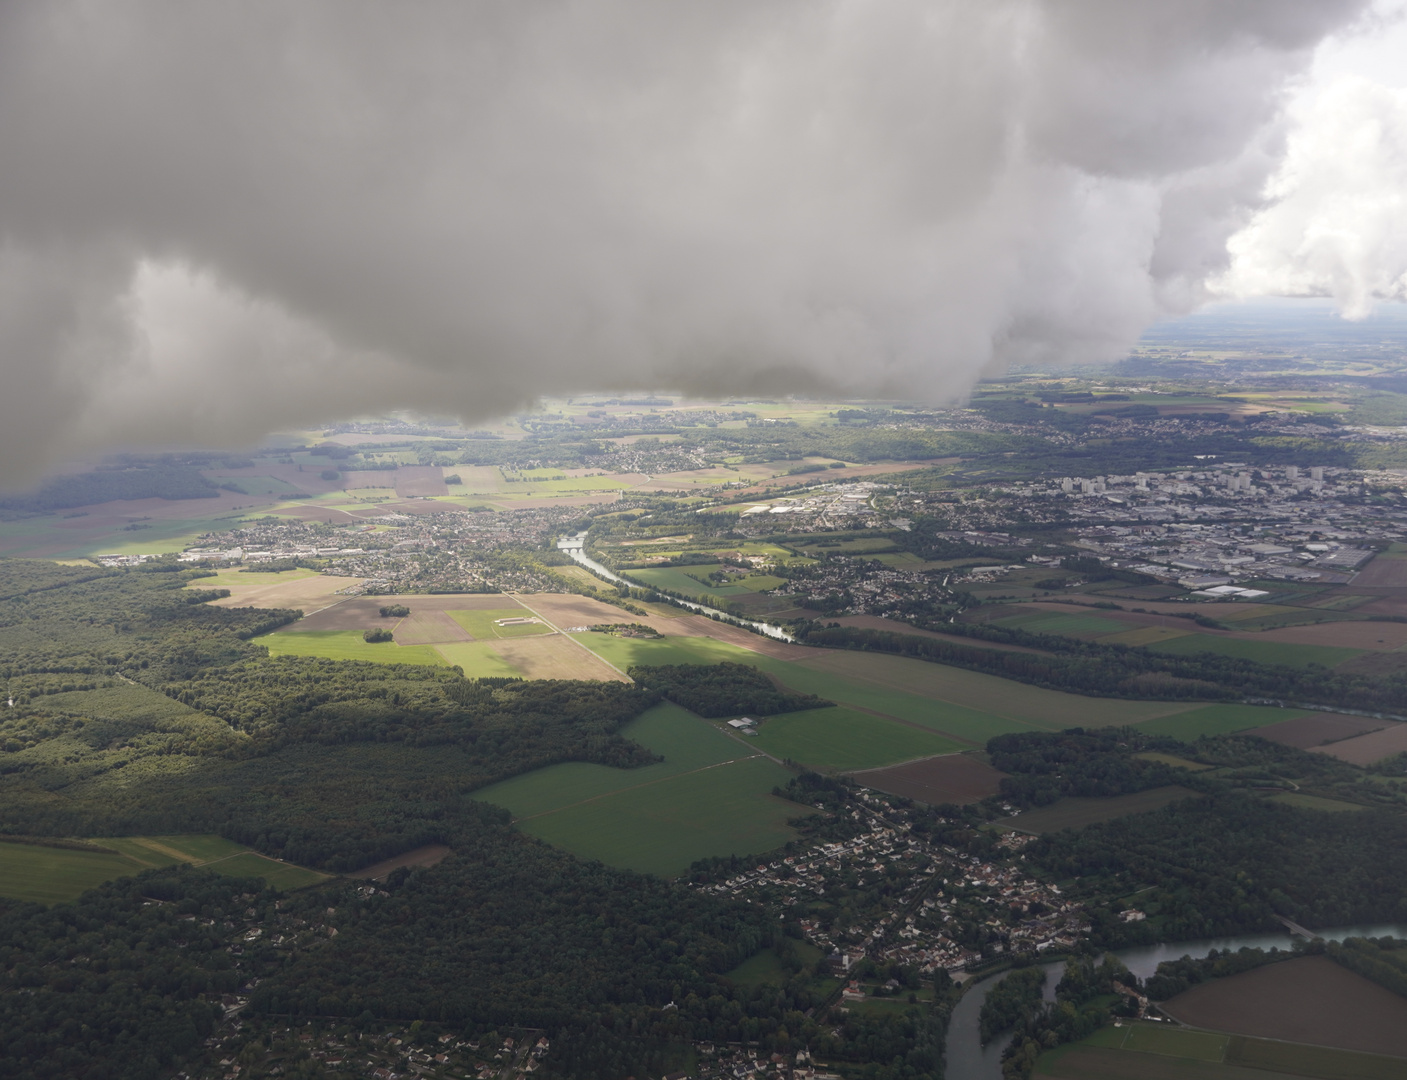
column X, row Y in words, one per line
column 155, row 482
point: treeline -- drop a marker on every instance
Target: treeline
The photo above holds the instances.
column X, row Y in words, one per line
column 1011, row 1002
column 1101, row 670
column 725, row 689
column 1230, row 862
column 1173, row 977
column 1045, row 766
column 1080, row 1009
column 103, row 485
column 1384, row 960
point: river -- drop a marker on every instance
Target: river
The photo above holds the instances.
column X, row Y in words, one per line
column 968, row 1059
column 575, row 547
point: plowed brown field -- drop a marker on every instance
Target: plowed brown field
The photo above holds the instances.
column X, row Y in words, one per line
column 1316, row 729
column 1309, row 1000
column 555, row 656
column 951, row 778
column 1367, row 749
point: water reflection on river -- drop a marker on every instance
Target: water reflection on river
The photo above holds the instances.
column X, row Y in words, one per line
column 967, row 1059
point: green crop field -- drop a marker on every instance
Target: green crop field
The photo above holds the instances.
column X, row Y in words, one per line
column 662, row 828
column 166, row 850
column 47, row 875
column 1149, row 1052
column 279, row 875
column 477, row 659
column 347, row 645
column 53, row 875
column 678, row 581
column 684, row 741
column 1322, row 1062
column 841, row 739
column 1216, row 720
column 927, row 688
column 962, row 704
column 1174, row 1042
column 482, row 624
column 1264, row 652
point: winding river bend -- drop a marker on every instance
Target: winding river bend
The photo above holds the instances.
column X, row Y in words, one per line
column 968, row 1059
column 575, row 546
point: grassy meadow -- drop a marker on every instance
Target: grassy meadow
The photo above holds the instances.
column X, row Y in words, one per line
column 51, row 875
column 347, row 645
column 711, row 795
column 839, row 739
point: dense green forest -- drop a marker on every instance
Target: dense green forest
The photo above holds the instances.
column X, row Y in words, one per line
column 115, row 986
column 725, row 689
column 1010, row 1002
column 1048, row 765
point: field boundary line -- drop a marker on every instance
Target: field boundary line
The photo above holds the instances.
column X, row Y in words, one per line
column 558, row 630
column 636, row 787
column 808, row 661
column 911, row 761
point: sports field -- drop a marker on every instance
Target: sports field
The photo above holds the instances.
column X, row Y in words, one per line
column 839, row 739
column 346, row 645
column 711, row 795
column 47, row 875
column 483, row 623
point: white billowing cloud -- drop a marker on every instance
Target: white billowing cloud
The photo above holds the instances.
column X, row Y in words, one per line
column 219, row 219
column 1337, row 221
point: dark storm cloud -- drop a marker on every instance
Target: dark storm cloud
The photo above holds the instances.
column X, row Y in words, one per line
column 217, row 219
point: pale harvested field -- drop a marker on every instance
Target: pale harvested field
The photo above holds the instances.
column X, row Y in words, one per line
column 1366, row 749
column 476, row 479
column 532, row 501
column 307, row 594
column 1316, row 729
column 420, row 480
column 323, row 514
column 1386, row 605
column 555, row 656
column 1384, row 571
column 357, row 479
column 567, row 609
column 428, row 628
column 364, row 612
column 1309, row 1000
column 702, row 626
column 1378, row 636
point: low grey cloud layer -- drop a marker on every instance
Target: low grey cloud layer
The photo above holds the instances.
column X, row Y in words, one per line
column 220, row 219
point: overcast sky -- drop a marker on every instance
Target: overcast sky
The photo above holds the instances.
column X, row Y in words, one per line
column 218, row 220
